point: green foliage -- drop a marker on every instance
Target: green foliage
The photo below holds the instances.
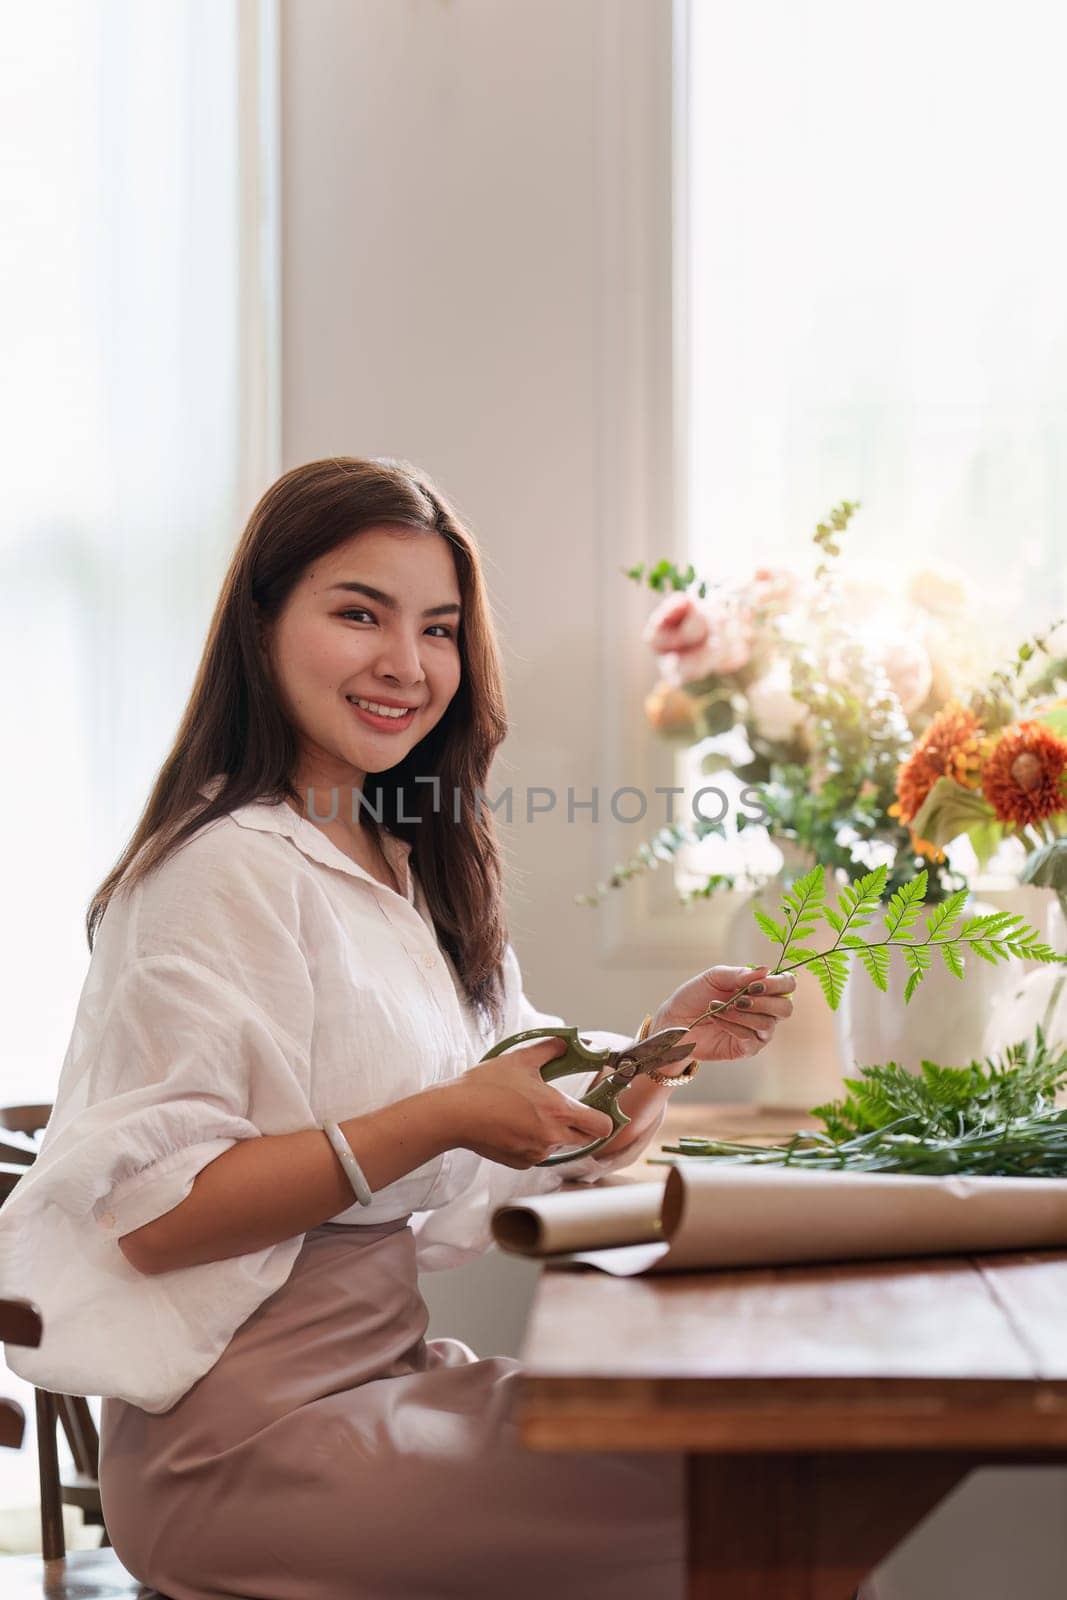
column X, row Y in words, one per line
column 950, row 1100
column 663, row 846
column 856, row 740
column 906, row 905
column 875, row 958
column 950, row 810
column 859, row 737
column 1048, row 867
column 832, row 972
column 825, row 535
column 663, row 575
column 1050, row 681
column 995, row 1118
column 1002, row 699
column 1055, row 718
column 994, row 936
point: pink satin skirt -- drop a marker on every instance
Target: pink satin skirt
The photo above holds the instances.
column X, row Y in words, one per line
column 334, row 1453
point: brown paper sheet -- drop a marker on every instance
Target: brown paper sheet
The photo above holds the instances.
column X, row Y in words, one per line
column 711, row 1216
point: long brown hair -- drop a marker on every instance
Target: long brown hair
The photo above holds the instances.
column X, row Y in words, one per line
column 235, row 727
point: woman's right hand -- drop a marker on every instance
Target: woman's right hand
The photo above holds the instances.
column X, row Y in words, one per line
column 504, row 1110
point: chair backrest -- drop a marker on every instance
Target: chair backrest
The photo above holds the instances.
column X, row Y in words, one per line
column 9, row 1176
column 25, row 1119
column 20, row 1323
column 71, row 1410
column 24, row 1122
column 12, row 1424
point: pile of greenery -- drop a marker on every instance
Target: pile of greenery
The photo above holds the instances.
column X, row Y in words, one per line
column 995, row 1118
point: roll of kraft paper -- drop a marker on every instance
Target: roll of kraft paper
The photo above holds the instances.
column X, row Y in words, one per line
column 705, row 1216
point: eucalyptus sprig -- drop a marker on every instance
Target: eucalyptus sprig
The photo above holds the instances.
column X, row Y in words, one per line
column 663, row 846
column 995, row 936
column 826, row 534
column 1002, row 698
column 666, row 575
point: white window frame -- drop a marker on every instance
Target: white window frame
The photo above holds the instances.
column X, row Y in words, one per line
column 643, row 382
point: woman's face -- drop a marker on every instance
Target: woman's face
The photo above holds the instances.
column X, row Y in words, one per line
column 377, row 619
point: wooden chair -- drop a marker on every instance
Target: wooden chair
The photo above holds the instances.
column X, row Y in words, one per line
column 81, row 1489
column 24, row 1122
column 54, row 1575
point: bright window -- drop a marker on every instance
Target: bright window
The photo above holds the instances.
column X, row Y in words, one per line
column 877, row 261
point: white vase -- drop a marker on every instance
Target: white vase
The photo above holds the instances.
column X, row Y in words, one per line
column 945, row 1020
column 948, row 1020
column 1038, row 994
column 799, row 1068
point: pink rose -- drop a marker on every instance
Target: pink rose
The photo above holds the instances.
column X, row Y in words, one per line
column 695, row 640
column 678, row 623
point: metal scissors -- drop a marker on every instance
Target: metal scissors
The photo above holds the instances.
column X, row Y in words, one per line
column 623, row 1066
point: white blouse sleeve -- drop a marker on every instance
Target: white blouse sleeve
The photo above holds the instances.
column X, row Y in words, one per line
column 460, row 1230
column 170, row 1063
column 177, row 1065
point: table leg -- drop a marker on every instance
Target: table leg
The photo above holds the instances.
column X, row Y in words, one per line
column 806, row 1527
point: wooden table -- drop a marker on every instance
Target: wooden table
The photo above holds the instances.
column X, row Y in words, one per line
column 823, row 1410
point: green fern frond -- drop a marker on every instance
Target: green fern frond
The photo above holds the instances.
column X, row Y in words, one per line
column 953, row 958
column 906, row 905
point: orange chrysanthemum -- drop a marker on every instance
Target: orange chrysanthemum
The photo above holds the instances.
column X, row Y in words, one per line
column 951, row 747
column 1023, row 777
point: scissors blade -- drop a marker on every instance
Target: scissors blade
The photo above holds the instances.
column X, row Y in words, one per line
column 658, row 1049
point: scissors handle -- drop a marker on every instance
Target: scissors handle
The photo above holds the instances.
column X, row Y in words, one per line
column 578, row 1057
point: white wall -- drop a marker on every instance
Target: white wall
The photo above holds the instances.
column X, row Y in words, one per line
column 441, row 285
column 449, row 168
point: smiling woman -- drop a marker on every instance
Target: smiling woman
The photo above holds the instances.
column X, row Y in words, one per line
column 275, row 710
column 240, row 1285
column 364, row 684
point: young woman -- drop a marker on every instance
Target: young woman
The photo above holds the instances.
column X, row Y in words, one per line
column 308, row 925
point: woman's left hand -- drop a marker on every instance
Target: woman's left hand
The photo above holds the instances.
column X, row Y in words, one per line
column 742, row 1028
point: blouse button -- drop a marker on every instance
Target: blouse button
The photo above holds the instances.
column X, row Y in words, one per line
column 429, row 959
column 108, row 1219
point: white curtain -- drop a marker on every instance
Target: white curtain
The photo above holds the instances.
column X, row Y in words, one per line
column 138, row 425
column 137, row 297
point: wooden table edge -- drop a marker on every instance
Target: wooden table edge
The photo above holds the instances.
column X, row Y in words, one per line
column 787, row 1416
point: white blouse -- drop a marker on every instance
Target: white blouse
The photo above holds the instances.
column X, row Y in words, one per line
column 257, row 982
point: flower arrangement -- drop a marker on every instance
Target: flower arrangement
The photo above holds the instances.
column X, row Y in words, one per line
column 992, row 770
column 997, row 769
column 845, row 696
